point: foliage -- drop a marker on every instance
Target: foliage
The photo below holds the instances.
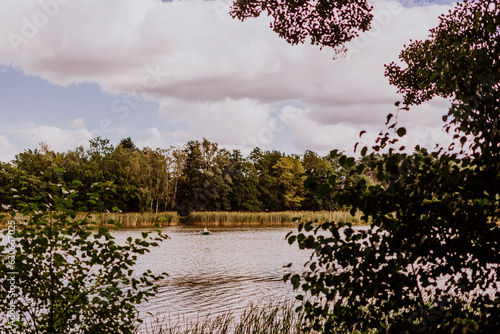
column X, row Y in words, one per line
column 264, row 161
column 203, row 183
column 127, row 144
column 459, row 61
column 430, row 261
column 243, row 193
column 326, row 22
column 317, row 170
column 198, row 176
column 64, row 274
column 291, row 180
column 273, row 317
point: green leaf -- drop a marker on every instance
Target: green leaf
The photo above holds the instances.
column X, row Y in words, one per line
column 332, row 179
column 401, row 132
column 342, row 160
column 295, row 280
column 364, row 150
column 102, row 230
column 309, row 242
column 359, row 169
column 389, row 117
column 76, row 183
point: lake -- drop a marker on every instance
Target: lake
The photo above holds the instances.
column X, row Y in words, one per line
column 223, row 271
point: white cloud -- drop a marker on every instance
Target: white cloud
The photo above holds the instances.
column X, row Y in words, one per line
column 78, row 123
column 323, row 138
column 219, row 75
column 227, row 122
column 57, row 139
column 424, row 125
column 5, row 149
column 155, row 139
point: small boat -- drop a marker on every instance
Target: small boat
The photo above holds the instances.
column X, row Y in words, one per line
column 205, row 232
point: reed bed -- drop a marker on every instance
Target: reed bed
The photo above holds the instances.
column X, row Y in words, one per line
column 275, row 318
column 135, row 219
column 132, row 219
column 214, row 218
column 218, row 218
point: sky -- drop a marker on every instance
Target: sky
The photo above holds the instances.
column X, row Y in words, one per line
column 166, row 72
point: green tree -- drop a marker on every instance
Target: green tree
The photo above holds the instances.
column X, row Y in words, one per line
column 129, row 194
column 191, row 195
column 10, row 178
column 28, row 169
column 67, row 275
column 291, row 181
column 318, row 170
column 218, row 181
column 156, row 177
column 176, row 160
column 244, row 182
column 325, row 22
column 34, row 161
column 127, row 144
column 73, row 163
column 96, row 163
column 268, row 190
column 204, row 186
column 430, row 260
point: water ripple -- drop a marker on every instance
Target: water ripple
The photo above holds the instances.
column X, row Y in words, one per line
column 221, row 272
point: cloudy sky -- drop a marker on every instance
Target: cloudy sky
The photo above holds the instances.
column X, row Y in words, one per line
column 164, row 73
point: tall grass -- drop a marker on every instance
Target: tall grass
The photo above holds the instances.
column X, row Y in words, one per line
column 272, row 318
column 127, row 219
column 135, row 219
column 218, row 218
column 214, row 218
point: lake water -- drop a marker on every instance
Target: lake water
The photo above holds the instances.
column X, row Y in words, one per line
column 223, row 271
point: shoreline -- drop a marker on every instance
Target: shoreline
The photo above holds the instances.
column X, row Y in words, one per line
column 216, row 218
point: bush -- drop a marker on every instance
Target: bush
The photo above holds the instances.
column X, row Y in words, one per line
column 65, row 274
column 430, row 261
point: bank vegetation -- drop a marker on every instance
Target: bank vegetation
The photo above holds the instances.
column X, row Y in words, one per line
column 215, row 218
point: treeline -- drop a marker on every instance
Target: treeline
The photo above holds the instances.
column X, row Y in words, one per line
column 199, row 176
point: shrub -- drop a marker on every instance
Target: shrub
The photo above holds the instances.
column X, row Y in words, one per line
column 65, row 274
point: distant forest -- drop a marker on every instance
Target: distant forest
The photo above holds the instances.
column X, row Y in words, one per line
column 198, row 176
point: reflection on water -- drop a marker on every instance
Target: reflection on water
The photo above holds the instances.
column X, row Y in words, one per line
column 223, row 271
